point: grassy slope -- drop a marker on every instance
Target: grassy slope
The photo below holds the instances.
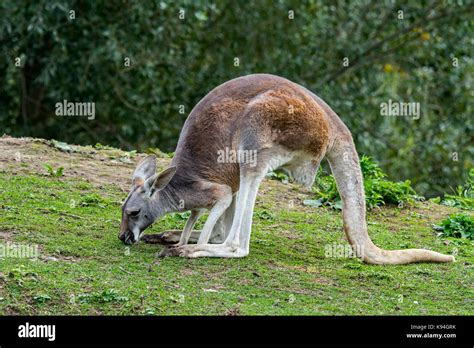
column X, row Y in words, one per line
column 84, row 269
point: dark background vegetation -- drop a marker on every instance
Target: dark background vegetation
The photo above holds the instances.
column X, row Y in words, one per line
column 176, row 62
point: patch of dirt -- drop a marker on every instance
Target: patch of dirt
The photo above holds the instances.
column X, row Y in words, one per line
column 291, row 235
column 58, row 258
column 97, row 166
column 11, row 311
column 6, row 236
column 285, row 196
column 233, row 311
column 323, row 281
column 187, row 272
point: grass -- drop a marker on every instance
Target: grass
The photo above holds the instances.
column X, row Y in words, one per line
column 83, row 268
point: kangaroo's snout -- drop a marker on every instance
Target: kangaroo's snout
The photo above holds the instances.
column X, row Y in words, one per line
column 127, row 237
column 121, row 236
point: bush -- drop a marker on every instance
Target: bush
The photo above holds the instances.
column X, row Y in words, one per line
column 279, row 175
column 457, row 226
column 378, row 190
column 463, row 196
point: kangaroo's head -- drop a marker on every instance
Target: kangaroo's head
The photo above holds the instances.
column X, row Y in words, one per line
column 144, row 203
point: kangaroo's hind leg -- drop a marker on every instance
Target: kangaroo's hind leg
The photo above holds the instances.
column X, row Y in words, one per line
column 222, row 228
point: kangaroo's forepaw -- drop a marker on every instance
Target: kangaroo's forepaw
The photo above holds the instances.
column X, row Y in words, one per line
column 164, row 238
column 153, row 238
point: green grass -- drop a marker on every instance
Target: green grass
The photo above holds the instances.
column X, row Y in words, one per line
column 83, row 268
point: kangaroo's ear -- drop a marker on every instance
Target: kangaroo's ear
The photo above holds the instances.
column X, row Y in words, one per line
column 159, row 181
column 145, row 170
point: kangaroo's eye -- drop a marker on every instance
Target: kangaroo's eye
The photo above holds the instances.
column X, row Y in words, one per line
column 133, row 213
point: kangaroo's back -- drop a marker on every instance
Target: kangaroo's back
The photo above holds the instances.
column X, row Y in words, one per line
column 280, row 111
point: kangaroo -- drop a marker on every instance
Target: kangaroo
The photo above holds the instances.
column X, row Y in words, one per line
column 286, row 126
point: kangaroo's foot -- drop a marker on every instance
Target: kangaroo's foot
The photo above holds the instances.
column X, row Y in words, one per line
column 204, row 250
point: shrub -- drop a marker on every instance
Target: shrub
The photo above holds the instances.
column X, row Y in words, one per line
column 54, row 172
column 463, row 196
column 378, row 190
column 93, row 200
column 279, row 175
column 457, row 226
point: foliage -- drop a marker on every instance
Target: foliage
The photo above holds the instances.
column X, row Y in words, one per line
column 42, row 298
column 265, row 215
column 54, row 172
column 99, row 146
column 279, row 175
column 94, row 200
column 457, row 226
column 463, row 196
column 107, row 295
column 378, row 190
column 158, row 153
column 423, row 56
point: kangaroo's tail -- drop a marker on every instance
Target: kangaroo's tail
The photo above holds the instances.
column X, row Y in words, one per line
column 345, row 167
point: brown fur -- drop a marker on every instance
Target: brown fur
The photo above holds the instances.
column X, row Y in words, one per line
column 282, row 109
column 293, row 119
